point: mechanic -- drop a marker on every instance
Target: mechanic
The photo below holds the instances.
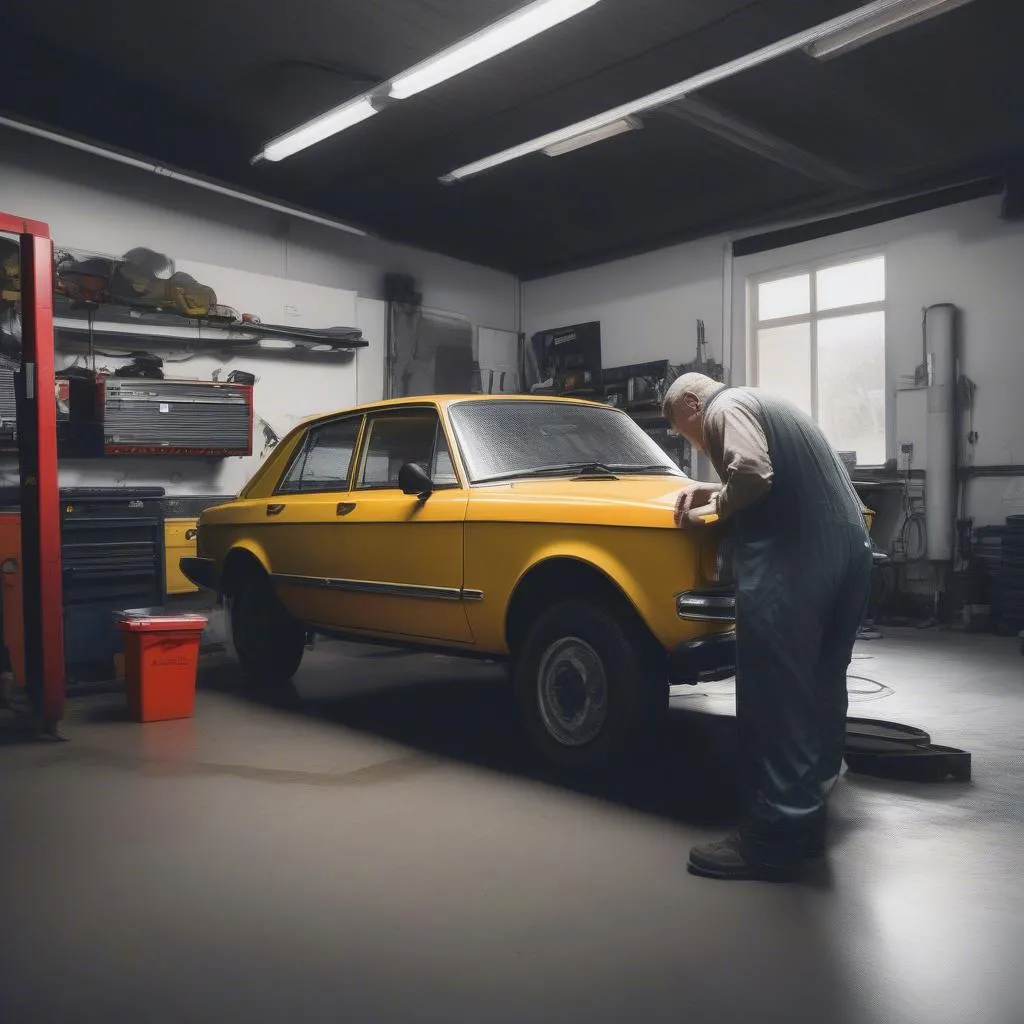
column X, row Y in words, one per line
column 803, row 568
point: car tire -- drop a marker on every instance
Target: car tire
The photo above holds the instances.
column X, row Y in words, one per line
column 587, row 687
column 268, row 641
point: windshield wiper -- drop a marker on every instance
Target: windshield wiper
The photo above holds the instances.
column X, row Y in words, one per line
column 588, row 468
column 658, row 467
column 561, row 470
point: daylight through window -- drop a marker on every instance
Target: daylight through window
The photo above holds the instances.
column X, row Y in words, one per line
column 819, row 341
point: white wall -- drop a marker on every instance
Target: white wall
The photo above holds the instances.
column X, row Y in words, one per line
column 963, row 254
column 648, row 305
column 91, row 203
column 252, row 258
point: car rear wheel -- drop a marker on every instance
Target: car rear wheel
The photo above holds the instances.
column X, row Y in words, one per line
column 587, row 692
column 268, row 641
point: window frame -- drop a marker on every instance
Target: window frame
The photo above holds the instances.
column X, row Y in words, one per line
column 814, row 316
column 364, row 448
column 302, row 449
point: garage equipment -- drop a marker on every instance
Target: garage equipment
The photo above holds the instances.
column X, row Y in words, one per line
column 113, row 557
column 37, row 467
column 893, row 751
column 8, row 405
column 111, row 415
column 181, row 518
column 161, row 659
column 1011, row 575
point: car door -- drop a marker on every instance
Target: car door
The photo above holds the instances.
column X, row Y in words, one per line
column 403, row 566
column 299, row 524
column 361, row 555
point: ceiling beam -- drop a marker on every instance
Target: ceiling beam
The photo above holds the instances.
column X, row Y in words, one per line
column 764, row 144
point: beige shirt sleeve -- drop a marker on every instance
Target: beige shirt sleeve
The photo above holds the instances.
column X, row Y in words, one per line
column 736, row 444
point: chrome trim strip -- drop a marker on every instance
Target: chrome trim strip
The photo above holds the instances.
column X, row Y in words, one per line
column 704, row 607
column 375, row 587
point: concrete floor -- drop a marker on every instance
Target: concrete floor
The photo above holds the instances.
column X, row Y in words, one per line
column 383, row 850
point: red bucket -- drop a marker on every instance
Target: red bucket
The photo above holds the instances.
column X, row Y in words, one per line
column 161, row 656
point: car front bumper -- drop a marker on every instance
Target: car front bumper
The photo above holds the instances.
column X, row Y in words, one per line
column 704, row 660
column 716, row 605
column 201, row 571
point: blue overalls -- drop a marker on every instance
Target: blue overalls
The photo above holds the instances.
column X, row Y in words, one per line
column 803, row 567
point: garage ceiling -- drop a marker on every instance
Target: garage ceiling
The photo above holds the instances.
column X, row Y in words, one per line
column 203, row 84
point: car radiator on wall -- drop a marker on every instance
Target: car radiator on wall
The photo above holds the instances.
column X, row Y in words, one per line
column 175, row 417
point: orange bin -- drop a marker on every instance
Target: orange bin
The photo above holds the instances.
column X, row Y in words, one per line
column 161, row 655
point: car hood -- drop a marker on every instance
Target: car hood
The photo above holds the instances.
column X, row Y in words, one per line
column 621, row 501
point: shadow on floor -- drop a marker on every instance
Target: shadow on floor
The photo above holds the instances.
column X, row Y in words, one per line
column 463, row 711
column 467, row 714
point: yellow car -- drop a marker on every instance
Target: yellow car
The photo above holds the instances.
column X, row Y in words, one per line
column 536, row 530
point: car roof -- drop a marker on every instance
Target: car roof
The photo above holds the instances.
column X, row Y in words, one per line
column 446, row 400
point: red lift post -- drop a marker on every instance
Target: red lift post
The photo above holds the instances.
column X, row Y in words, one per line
column 37, row 463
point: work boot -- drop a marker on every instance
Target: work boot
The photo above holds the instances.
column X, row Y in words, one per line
column 740, row 855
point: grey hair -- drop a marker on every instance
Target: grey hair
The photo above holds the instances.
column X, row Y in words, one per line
column 698, row 384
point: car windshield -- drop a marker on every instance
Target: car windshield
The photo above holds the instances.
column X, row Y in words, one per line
column 503, row 440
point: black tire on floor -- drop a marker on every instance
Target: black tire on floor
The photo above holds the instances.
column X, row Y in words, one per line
column 575, row 633
column 268, row 641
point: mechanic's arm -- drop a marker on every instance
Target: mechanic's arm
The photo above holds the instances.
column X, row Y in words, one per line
column 738, row 449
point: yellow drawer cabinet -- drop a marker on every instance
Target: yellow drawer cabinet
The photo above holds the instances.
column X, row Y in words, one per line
column 179, row 542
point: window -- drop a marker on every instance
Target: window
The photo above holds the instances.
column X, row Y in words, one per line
column 819, row 341
column 325, row 459
column 406, row 435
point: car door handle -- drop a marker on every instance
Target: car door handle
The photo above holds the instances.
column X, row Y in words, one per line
column 345, row 507
column 275, row 510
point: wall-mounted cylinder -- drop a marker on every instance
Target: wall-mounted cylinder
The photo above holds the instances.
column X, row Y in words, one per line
column 940, row 477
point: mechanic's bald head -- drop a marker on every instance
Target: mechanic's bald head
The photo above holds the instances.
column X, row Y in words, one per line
column 684, row 405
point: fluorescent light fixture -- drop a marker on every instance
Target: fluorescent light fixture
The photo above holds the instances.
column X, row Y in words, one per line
column 519, row 26
column 510, row 31
column 798, row 41
column 911, row 12
column 320, row 128
column 625, row 124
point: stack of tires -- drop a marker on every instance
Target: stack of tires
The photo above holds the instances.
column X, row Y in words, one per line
column 1011, row 577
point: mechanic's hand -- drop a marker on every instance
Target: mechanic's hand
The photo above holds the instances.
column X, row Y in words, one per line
column 696, row 516
column 694, row 495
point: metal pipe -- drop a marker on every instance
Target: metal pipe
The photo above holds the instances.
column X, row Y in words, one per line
column 1006, row 469
column 163, row 171
column 940, row 481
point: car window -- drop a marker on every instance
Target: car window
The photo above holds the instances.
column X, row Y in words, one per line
column 325, row 459
column 405, row 435
column 443, row 470
column 518, row 437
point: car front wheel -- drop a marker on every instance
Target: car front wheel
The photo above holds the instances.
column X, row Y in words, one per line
column 587, row 691
column 268, row 641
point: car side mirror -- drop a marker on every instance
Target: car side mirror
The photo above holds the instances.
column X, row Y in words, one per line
column 414, row 479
